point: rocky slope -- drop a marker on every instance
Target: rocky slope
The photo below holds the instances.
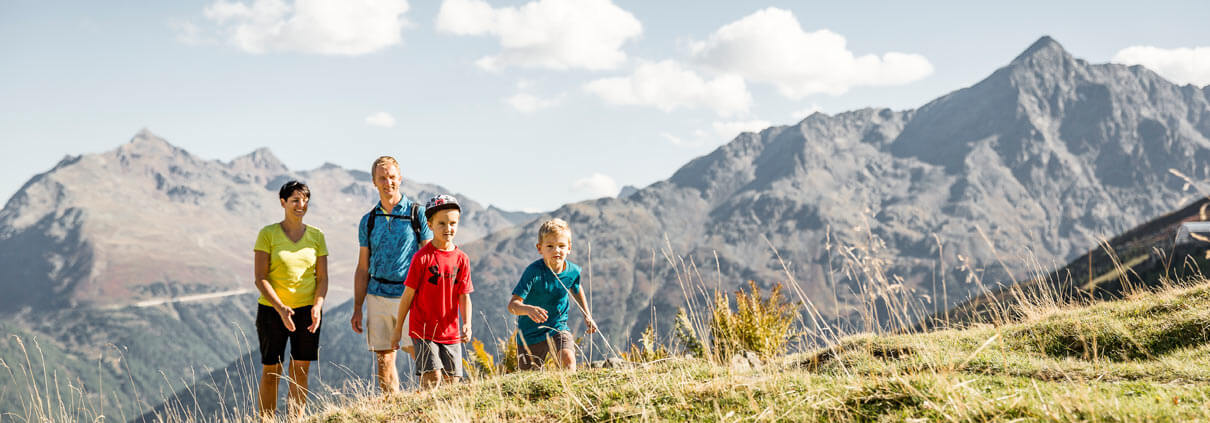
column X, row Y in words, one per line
column 98, row 227
column 85, row 245
column 1043, row 157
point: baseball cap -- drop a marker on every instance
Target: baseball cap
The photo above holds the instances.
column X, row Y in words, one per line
column 438, row 203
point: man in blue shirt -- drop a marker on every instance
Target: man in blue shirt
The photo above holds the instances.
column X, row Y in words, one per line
column 388, row 235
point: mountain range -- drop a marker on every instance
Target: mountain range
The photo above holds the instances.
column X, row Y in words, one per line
column 1026, row 169
column 140, row 258
column 98, row 229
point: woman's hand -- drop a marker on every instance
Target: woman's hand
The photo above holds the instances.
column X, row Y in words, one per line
column 287, row 317
column 316, row 314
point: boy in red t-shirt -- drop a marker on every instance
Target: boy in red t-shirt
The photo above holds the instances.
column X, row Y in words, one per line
column 436, row 294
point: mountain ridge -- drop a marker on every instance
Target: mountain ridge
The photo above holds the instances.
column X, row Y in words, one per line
column 1038, row 160
column 96, row 225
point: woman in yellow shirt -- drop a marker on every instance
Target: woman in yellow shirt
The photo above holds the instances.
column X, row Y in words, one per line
column 291, row 268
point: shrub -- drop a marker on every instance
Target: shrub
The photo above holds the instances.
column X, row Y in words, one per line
column 650, row 350
column 685, row 333
column 758, row 325
column 481, row 361
column 508, row 359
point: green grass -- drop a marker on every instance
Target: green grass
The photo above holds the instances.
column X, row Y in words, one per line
column 1145, row 358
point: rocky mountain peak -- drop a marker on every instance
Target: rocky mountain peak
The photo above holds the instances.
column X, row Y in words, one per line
column 262, row 159
column 148, row 143
column 1042, row 70
column 1045, row 51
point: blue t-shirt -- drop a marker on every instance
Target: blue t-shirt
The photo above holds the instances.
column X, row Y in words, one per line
column 540, row 287
column 394, row 245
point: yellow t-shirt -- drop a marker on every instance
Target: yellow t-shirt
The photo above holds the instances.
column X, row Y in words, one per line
column 291, row 264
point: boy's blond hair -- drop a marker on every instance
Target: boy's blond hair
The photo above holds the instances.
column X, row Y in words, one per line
column 383, row 161
column 554, row 226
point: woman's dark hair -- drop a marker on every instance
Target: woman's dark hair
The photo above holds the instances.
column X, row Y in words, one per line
column 294, row 186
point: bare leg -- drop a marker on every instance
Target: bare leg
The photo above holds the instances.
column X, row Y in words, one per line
column 269, row 375
column 567, row 358
column 429, row 379
column 297, row 393
column 388, row 378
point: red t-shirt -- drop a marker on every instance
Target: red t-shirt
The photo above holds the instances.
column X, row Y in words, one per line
column 438, row 277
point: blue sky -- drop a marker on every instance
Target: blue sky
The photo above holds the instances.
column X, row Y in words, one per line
column 520, row 104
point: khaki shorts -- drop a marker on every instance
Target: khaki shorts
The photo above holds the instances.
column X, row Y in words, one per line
column 381, row 315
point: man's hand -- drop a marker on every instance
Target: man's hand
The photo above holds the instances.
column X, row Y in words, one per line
column 592, row 325
column 286, row 314
column 356, row 320
column 316, row 314
column 395, row 341
column 466, row 333
column 535, row 313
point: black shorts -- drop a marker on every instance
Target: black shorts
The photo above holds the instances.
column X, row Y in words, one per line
column 304, row 345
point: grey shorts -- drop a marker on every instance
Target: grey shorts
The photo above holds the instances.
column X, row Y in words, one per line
column 433, row 356
column 532, row 356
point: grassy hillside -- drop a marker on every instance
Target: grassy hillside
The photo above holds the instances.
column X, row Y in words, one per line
column 1144, row 358
column 75, row 363
column 1143, row 257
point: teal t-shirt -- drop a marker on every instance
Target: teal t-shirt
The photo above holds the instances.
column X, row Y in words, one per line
column 540, row 287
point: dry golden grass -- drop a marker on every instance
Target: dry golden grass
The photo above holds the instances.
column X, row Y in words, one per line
column 1040, row 357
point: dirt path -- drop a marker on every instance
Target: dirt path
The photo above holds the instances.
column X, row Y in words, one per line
column 209, row 296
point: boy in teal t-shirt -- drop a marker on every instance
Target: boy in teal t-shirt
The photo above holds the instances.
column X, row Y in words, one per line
column 540, row 300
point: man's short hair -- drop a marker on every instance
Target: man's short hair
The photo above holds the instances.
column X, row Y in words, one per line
column 382, row 161
column 554, row 226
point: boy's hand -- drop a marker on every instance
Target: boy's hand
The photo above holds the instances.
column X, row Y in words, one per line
column 535, row 313
column 316, row 314
column 466, row 333
column 592, row 325
column 356, row 320
column 395, row 341
column 286, row 314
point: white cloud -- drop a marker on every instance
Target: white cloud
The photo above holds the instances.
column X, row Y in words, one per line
column 528, row 103
column 770, row 46
column 675, row 140
column 596, row 186
column 729, row 130
column 1179, row 65
column 381, row 119
column 668, row 86
column 552, row 34
column 339, row 27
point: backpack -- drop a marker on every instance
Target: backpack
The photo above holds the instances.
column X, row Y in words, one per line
column 413, row 217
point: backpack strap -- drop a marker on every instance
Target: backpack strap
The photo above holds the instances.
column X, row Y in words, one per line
column 415, row 216
column 370, row 231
